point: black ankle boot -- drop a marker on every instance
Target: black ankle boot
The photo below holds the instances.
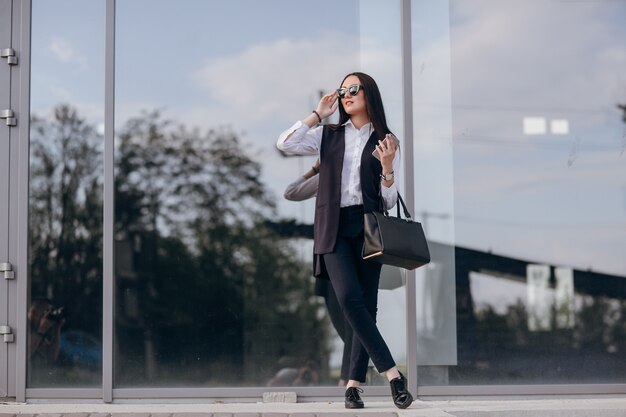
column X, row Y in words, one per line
column 353, row 399
column 402, row 398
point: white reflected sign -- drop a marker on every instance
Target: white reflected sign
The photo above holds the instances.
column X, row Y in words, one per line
column 539, row 297
column 564, row 297
column 534, row 125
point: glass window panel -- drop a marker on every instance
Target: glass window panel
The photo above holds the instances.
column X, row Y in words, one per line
column 213, row 266
column 434, row 190
column 537, row 221
column 65, row 194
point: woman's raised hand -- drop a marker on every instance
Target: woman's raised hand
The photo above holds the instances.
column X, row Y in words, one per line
column 327, row 105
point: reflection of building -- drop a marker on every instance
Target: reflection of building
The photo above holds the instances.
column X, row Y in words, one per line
column 545, row 331
column 104, row 137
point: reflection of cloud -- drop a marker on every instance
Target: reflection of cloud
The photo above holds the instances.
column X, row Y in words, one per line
column 535, row 54
column 63, row 51
column 515, row 59
column 268, row 79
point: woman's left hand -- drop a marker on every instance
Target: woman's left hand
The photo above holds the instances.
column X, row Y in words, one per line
column 387, row 151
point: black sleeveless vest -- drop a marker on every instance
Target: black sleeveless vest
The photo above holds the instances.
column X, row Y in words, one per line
column 328, row 200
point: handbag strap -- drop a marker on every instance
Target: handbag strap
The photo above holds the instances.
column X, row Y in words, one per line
column 406, row 211
column 381, row 205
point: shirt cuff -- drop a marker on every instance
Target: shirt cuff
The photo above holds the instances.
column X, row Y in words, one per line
column 299, row 125
column 390, row 195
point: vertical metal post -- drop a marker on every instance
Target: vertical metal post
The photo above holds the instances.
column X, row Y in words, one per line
column 6, row 105
column 407, row 117
column 23, row 280
column 12, row 213
column 108, row 281
column 7, row 179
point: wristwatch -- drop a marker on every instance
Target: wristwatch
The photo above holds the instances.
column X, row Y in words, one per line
column 387, row 177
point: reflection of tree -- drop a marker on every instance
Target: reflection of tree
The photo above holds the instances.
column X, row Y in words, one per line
column 506, row 350
column 65, row 225
column 211, row 278
column 205, row 291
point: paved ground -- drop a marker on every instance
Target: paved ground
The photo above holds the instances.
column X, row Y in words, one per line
column 600, row 407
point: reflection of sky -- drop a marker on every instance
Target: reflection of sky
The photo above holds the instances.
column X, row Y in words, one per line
column 550, row 198
column 174, row 61
column 258, row 66
column 255, row 69
column 68, row 59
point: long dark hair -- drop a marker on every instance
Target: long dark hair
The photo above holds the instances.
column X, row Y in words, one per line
column 373, row 104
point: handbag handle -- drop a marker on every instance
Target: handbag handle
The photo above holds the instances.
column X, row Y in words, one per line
column 406, row 211
column 382, row 207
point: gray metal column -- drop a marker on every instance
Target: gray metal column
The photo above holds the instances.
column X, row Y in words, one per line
column 20, row 99
column 6, row 134
column 109, row 193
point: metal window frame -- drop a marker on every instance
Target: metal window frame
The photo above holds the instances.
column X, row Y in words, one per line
column 17, row 101
column 6, row 380
column 108, row 281
column 107, row 393
column 5, row 194
column 22, row 31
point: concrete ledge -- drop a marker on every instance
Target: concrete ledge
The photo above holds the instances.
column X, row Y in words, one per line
column 597, row 407
column 609, row 407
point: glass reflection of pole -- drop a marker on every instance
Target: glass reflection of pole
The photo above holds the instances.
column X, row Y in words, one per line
column 431, row 287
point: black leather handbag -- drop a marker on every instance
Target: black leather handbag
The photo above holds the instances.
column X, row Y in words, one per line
column 394, row 240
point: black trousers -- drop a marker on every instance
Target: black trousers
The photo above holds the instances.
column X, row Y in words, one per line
column 355, row 282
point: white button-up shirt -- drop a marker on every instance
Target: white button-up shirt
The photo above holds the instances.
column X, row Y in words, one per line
column 307, row 141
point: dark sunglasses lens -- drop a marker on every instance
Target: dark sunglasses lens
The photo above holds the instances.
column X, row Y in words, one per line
column 341, row 92
column 354, row 90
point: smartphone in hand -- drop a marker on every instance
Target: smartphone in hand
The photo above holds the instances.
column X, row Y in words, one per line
column 395, row 140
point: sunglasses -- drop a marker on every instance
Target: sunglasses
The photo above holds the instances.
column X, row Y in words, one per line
column 353, row 90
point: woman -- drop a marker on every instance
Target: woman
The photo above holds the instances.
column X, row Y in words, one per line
column 359, row 162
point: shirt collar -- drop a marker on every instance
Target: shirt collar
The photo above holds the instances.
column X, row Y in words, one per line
column 365, row 128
